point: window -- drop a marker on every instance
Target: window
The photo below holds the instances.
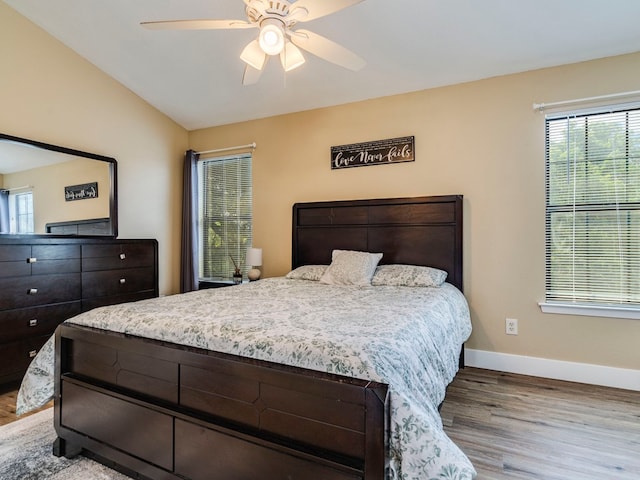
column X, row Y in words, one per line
column 225, row 214
column 593, row 211
column 21, row 212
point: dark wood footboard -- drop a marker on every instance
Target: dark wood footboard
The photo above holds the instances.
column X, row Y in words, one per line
column 166, row 411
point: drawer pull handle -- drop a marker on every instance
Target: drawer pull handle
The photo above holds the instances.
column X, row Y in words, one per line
column 122, row 256
column 123, row 281
column 32, row 260
column 32, row 353
column 32, row 291
column 33, row 322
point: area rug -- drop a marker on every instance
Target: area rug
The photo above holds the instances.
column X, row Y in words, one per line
column 26, row 454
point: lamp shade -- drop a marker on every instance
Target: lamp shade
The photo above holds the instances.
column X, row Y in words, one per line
column 253, row 55
column 254, row 257
column 291, row 57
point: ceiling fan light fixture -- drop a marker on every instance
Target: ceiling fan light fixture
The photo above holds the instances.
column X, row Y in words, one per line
column 291, row 57
column 275, row 21
column 253, row 55
column 271, row 37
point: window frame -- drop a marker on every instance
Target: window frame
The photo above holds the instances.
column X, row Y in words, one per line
column 582, row 307
column 16, row 213
column 237, row 216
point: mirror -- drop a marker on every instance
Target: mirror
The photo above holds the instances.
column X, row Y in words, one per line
column 50, row 190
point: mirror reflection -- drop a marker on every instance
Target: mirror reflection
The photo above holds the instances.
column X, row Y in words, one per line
column 46, row 189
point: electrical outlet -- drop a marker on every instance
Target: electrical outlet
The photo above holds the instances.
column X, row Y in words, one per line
column 511, row 326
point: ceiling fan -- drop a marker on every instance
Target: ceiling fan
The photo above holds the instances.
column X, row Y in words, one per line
column 275, row 20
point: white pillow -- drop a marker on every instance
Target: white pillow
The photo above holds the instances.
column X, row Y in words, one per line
column 307, row 272
column 408, row 276
column 350, row 267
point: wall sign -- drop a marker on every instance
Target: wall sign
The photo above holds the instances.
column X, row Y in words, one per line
column 81, row 192
column 378, row 152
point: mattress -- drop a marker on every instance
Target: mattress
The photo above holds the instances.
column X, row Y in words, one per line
column 407, row 337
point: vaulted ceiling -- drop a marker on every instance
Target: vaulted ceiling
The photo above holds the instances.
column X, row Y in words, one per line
column 195, row 76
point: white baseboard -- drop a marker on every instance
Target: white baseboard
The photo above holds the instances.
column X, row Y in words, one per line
column 557, row 369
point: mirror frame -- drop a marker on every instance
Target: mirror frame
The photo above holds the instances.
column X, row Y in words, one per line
column 113, row 182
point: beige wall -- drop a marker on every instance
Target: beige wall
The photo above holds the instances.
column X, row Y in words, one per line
column 49, row 93
column 480, row 139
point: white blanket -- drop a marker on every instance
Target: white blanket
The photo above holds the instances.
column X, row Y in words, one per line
column 406, row 337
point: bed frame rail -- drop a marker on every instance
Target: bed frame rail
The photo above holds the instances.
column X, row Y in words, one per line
column 181, row 412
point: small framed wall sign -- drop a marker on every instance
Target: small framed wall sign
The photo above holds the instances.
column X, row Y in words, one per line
column 81, row 192
column 377, row 152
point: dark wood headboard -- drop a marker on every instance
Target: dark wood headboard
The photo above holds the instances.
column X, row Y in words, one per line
column 415, row 231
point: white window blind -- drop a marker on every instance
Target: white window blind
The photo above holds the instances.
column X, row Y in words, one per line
column 225, row 206
column 21, row 216
column 593, row 208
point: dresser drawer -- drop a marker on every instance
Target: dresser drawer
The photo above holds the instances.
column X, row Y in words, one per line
column 38, row 290
column 47, row 259
column 13, row 260
column 55, row 252
column 117, row 282
column 29, row 322
column 47, row 267
column 22, row 260
column 16, row 357
column 14, row 253
column 124, row 255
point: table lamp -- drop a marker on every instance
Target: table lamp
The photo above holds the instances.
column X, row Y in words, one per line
column 254, row 259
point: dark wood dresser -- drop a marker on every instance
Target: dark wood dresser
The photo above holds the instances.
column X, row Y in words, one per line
column 45, row 280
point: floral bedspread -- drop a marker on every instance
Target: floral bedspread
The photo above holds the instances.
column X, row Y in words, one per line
column 406, row 337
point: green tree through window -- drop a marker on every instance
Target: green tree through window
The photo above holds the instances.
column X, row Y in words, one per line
column 225, row 214
column 593, row 208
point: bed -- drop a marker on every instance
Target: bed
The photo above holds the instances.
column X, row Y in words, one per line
column 158, row 390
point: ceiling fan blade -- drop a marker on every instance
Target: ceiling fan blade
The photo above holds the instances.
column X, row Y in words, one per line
column 320, row 8
column 326, row 49
column 197, row 24
column 251, row 75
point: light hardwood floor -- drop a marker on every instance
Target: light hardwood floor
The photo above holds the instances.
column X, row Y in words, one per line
column 8, row 396
column 514, row 427
column 526, row 428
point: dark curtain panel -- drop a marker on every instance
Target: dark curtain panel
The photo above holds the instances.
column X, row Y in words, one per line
column 189, row 263
column 4, row 211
